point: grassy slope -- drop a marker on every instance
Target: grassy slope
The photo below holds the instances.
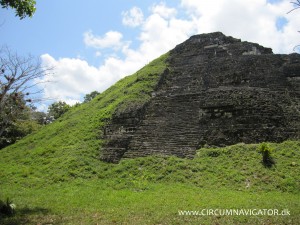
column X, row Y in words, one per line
column 70, row 146
column 151, row 190
column 54, row 176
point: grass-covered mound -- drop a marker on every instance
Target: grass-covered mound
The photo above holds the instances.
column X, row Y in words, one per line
column 54, row 176
column 151, row 190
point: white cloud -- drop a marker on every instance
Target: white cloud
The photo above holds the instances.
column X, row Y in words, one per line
column 133, row 18
column 162, row 10
column 112, row 39
column 249, row 20
column 98, row 54
column 74, row 77
column 161, row 31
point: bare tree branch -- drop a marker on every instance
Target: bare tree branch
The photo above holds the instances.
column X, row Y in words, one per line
column 297, row 6
column 19, row 77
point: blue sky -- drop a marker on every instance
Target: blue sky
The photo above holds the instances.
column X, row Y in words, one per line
column 92, row 44
column 58, row 25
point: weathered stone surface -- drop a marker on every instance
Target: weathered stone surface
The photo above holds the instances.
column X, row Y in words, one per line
column 217, row 91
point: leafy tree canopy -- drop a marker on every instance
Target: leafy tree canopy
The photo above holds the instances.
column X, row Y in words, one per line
column 23, row 7
column 90, row 96
column 57, row 109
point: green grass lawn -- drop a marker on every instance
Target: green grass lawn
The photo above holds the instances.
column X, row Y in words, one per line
column 92, row 202
column 152, row 190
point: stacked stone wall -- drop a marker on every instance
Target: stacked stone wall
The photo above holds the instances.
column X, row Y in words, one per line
column 216, row 91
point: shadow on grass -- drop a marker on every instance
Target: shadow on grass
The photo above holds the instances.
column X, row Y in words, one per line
column 24, row 216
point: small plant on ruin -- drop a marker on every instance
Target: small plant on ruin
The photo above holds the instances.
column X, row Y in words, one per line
column 266, row 152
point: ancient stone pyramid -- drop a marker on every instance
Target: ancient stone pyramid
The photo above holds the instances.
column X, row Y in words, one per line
column 218, row 91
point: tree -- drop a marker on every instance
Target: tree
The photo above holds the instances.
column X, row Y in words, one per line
column 23, row 7
column 296, row 5
column 18, row 80
column 57, row 109
column 25, row 124
column 89, row 97
column 39, row 117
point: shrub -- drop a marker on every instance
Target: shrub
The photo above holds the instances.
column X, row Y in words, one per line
column 213, row 153
column 266, row 152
